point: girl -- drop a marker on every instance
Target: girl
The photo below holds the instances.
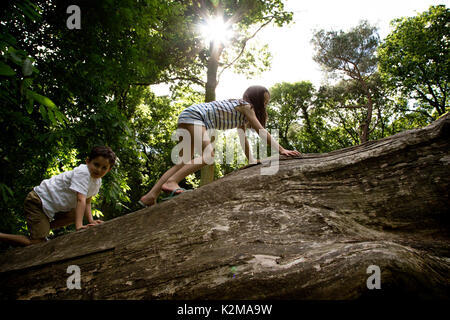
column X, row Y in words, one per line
column 222, row 115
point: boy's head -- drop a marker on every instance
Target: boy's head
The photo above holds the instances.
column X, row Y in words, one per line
column 100, row 161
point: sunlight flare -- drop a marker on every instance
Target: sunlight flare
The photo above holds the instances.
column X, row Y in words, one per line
column 215, row 29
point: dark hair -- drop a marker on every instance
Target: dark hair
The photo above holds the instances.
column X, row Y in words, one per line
column 255, row 95
column 105, row 152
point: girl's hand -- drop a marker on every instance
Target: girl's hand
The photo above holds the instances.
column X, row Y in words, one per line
column 289, row 153
column 95, row 222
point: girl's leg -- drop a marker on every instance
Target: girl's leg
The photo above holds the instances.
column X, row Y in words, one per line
column 152, row 195
column 206, row 154
column 187, row 169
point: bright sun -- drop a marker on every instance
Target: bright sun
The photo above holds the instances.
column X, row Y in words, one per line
column 215, row 29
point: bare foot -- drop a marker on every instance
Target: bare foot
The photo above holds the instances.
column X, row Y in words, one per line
column 169, row 186
column 148, row 200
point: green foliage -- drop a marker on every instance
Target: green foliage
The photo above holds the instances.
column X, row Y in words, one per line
column 246, row 18
column 335, row 116
column 27, row 118
column 253, row 62
column 415, row 59
column 351, row 53
column 229, row 155
column 289, row 103
column 64, row 91
column 358, row 97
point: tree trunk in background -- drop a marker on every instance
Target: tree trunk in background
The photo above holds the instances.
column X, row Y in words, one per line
column 207, row 172
column 313, row 230
column 213, row 65
column 365, row 126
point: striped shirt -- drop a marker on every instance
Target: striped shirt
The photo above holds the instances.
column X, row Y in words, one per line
column 220, row 115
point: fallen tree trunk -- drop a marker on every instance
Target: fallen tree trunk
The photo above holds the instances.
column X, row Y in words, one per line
column 311, row 231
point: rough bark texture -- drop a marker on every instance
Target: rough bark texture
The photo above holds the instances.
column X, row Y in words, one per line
column 308, row 232
column 215, row 49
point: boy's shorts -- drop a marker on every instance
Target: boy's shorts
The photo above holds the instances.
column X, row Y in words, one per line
column 37, row 221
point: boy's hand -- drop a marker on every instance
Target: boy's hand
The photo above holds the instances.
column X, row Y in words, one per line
column 91, row 224
column 85, row 227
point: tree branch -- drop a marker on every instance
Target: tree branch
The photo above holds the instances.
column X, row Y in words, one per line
column 423, row 95
column 419, row 111
column 191, row 79
column 430, row 90
column 344, row 124
column 243, row 48
column 352, row 107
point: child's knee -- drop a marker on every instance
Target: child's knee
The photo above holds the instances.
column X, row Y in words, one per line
column 38, row 226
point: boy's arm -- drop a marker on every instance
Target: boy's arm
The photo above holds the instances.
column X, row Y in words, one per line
column 79, row 211
column 88, row 213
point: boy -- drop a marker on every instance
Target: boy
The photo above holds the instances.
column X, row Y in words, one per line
column 64, row 199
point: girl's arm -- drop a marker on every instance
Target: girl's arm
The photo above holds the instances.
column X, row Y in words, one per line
column 253, row 120
column 245, row 145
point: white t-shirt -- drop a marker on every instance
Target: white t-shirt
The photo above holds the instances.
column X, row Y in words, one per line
column 59, row 193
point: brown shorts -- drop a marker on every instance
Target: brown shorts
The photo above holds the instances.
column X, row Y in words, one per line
column 37, row 221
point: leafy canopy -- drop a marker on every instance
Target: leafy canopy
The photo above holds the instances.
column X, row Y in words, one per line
column 415, row 58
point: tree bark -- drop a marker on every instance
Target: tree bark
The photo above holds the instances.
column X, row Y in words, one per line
column 368, row 120
column 207, row 172
column 311, row 231
column 215, row 50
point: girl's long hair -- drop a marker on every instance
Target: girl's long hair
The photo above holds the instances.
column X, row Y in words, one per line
column 255, row 95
